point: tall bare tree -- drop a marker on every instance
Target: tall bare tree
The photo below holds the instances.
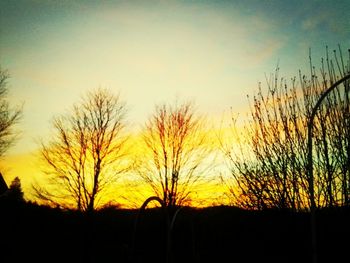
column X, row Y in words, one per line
column 86, row 153
column 176, row 153
column 270, row 165
column 9, row 117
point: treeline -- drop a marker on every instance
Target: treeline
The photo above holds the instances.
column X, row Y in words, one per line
column 213, row 234
column 90, row 149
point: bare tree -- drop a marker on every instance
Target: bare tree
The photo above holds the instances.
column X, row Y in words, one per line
column 176, row 153
column 9, row 117
column 269, row 166
column 86, row 153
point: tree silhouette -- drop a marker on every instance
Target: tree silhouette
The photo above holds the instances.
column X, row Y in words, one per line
column 86, row 154
column 9, row 117
column 176, row 153
column 15, row 193
column 269, row 165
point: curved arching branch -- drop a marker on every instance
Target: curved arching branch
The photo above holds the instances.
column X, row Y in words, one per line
column 170, row 223
column 310, row 162
column 150, row 199
column 171, row 226
column 142, row 208
column 169, row 234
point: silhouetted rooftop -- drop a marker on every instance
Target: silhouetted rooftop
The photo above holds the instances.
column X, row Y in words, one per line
column 3, row 185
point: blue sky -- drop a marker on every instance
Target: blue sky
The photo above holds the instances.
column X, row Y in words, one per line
column 211, row 52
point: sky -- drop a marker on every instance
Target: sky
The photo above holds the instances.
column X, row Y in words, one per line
column 211, row 52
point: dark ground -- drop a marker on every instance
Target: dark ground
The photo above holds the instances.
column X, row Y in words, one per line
column 30, row 233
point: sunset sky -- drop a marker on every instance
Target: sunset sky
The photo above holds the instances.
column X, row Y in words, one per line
column 211, row 52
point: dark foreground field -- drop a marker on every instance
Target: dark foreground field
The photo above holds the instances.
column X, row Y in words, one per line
column 30, row 233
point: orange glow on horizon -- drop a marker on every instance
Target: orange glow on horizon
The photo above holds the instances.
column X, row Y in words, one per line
column 128, row 192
